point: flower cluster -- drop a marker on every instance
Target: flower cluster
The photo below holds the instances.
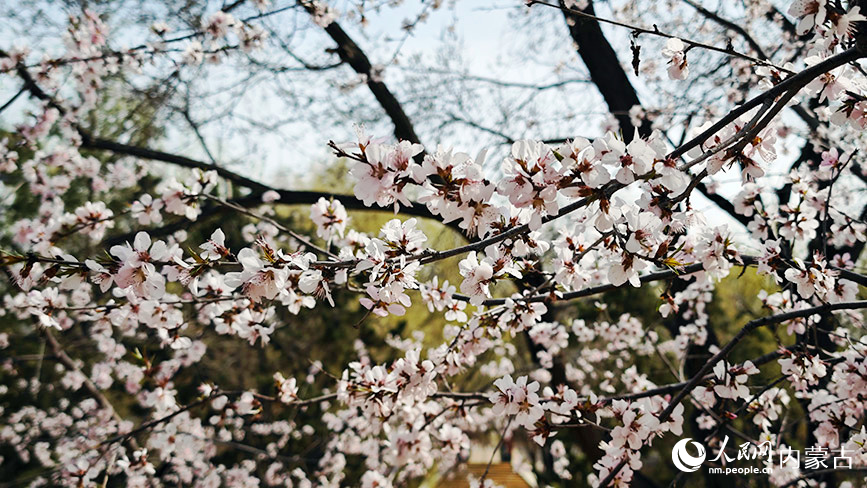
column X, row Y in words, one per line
column 111, row 276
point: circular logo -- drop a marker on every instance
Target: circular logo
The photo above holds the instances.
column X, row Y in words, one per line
column 682, row 460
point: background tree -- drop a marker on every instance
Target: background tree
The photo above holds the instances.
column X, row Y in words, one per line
column 190, row 301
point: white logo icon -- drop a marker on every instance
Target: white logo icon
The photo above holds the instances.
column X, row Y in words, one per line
column 682, row 460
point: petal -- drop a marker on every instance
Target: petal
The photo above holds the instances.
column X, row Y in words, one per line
column 142, row 241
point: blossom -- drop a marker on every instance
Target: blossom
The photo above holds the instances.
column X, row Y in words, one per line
column 330, row 218
column 137, row 266
column 811, row 13
column 626, row 269
column 162, row 399
column 100, row 275
column 294, row 301
column 44, row 303
column 805, row 369
column 454, row 440
column 314, row 282
column 830, row 160
column 194, row 53
column 630, row 160
column 375, row 479
column 257, row 280
column 381, row 301
column 458, row 190
column 477, row 277
column 403, row 236
column 172, row 339
column 670, row 176
column 383, row 173
column 218, row 24
column 829, row 85
column 731, row 381
column 810, row 279
column 517, row 398
column 802, row 224
column 8, row 158
column 288, row 389
column 323, row 14
column 845, row 24
column 579, row 156
column 561, row 460
column 147, row 210
column 678, row 68
column 93, row 218
column 644, row 227
column 215, row 248
column 178, row 199
column 532, row 174
column 270, row 196
column 247, row 404
column 520, row 315
column 638, row 424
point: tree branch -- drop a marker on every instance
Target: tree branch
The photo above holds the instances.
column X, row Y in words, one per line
column 352, row 54
column 726, row 349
